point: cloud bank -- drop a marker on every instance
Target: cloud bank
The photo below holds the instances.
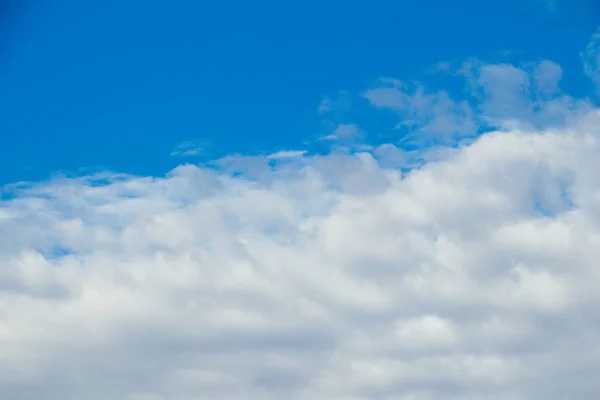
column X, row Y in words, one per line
column 351, row 275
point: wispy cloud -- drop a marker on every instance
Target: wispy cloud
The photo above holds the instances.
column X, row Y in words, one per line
column 286, row 154
column 188, row 148
column 424, row 113
column 442, row 66
column 344, row 133
column 499, row 96
column 591, row 59
column 339, row 103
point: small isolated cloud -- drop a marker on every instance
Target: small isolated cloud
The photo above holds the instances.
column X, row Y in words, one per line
column 344, row 133
column 325, row 105
column 188, row 148
column 338, row 104
column 282, row 154
column 440, row 67
column 591, row 59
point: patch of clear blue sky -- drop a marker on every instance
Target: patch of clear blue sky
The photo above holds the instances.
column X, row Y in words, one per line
column 118, row 84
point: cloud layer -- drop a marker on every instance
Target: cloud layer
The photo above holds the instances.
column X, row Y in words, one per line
column 344, row 276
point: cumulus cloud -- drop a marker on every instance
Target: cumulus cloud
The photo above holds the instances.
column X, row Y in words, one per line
column 424, row 113
column 500, row 96
column 313, row 282
column 350, row 275
column 526, row 97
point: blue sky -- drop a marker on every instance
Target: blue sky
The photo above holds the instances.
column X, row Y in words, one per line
column 120, row 84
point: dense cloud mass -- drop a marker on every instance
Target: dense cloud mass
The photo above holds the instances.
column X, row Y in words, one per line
column 352, row 275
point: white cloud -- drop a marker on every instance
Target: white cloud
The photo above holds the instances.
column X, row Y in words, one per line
column 426, row 114
column 344, row 132
column 286, row 154
column 338, row 276
column 525, row 97
column 309, row 286
column 507, row 97
column 425, row 332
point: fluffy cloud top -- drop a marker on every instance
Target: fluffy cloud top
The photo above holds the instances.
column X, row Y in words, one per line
column 422, row 112
column 344, row 276
column 502, row 96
